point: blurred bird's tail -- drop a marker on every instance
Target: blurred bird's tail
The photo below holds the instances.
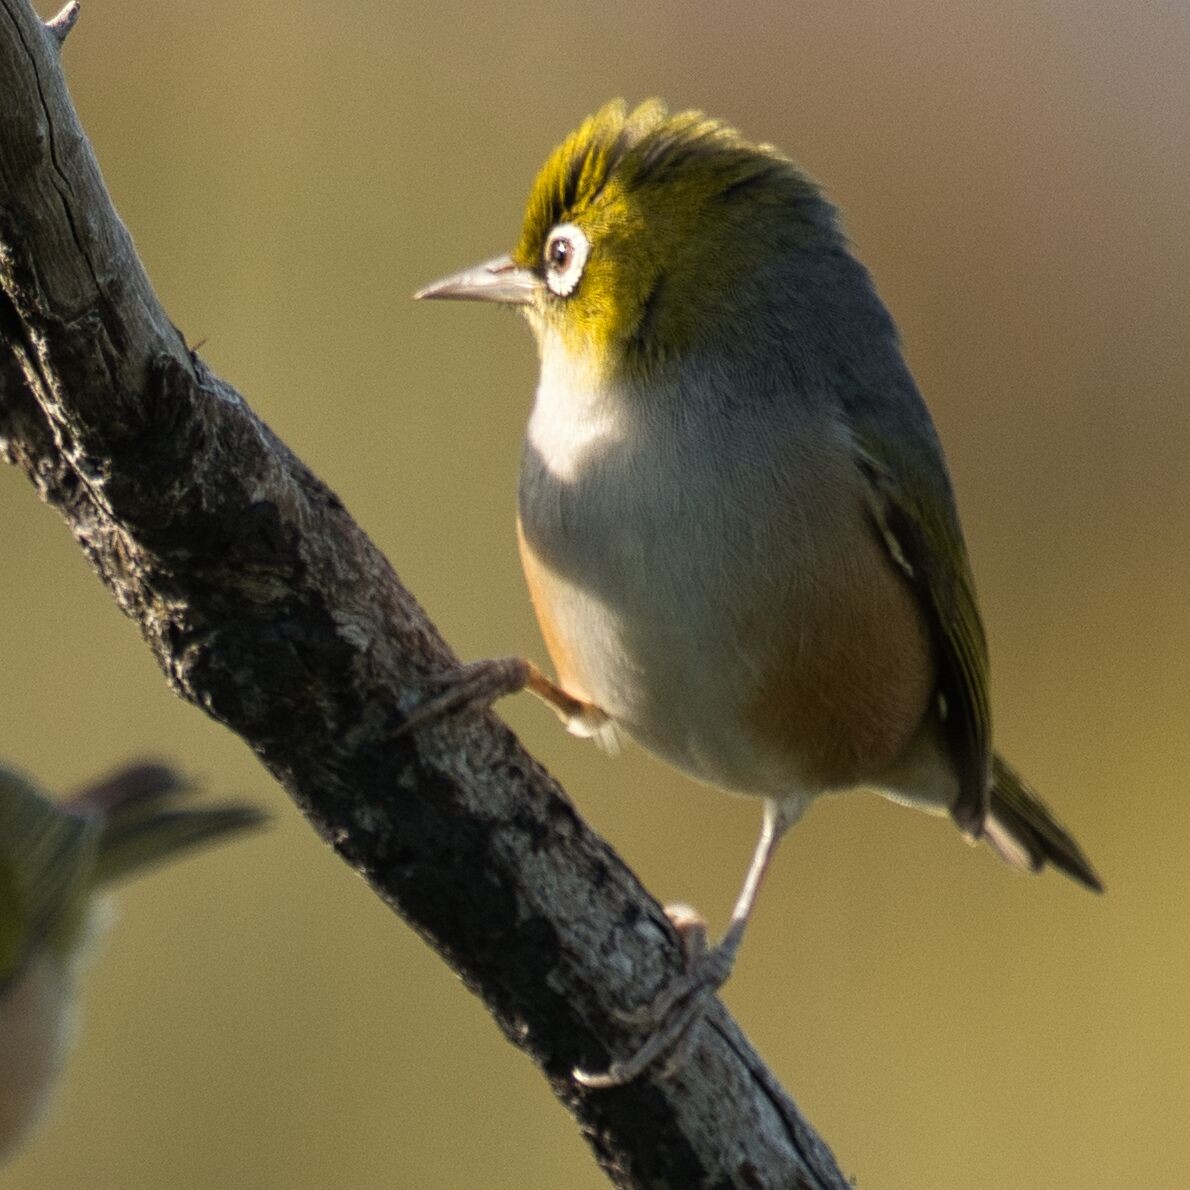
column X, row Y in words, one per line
column 1023, row 832
column 143, row 825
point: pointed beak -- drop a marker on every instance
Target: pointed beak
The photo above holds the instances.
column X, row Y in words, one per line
column 496, row 280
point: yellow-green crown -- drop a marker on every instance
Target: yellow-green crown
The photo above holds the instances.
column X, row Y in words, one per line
column 663, row 198
column 647, row 146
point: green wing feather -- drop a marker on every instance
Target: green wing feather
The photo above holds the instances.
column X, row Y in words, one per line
column 913, row 509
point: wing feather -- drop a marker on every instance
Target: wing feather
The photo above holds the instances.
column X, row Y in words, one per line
column 913, row 511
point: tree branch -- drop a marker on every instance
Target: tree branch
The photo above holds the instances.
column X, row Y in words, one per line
column 268, row 607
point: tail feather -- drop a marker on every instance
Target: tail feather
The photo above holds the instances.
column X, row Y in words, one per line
column 1022, row 830
column 142, row 825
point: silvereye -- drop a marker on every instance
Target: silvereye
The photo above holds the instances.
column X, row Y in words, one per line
column 736, row 523
column 56, row 860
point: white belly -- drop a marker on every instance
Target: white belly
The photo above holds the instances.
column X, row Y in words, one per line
column 36, row 1026
column 671, row 687
column 653, row 565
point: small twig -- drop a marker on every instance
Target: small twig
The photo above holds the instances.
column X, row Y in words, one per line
column 61, row 25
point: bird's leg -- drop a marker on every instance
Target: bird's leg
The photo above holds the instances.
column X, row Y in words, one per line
column 476, row 685
column 679, row 1006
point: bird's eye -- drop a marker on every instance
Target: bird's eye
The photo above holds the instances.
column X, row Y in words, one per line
column 564, row 256
column 560, row 252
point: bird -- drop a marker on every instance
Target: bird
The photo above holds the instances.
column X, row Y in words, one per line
column 735, row 519
column 57, row 860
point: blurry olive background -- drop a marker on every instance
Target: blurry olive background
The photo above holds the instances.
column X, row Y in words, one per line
column 1017, row 179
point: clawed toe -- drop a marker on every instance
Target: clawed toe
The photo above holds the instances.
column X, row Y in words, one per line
column 672, row 1015
column 478, row 684
column 685, row 1003
column 474, row 686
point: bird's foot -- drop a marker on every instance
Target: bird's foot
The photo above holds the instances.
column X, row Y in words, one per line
column 672, row 1015
column 477, row 684
column 471, row 687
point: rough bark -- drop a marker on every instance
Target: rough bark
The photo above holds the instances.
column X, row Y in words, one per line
column 267, row 607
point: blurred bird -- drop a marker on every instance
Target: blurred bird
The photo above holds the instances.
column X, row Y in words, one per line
column 56, row 861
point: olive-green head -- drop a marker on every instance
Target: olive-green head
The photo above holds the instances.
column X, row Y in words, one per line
column 647, row 234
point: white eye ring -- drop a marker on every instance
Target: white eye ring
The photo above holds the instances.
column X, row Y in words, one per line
column 564, row 256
